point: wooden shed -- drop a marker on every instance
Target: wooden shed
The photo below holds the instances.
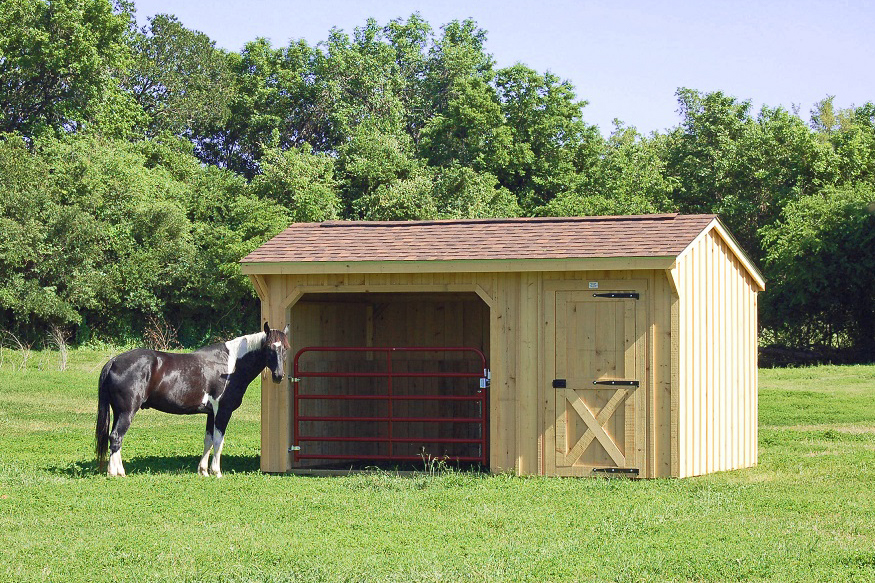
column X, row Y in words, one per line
column 611, row 344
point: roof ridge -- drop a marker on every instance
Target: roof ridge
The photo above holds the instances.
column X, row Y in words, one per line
column 506, row 220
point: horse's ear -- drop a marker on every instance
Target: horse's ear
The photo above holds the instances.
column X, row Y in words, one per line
column 286, row 330
column 266, row 328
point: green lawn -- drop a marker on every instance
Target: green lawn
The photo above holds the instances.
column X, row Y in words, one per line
column 806, row 513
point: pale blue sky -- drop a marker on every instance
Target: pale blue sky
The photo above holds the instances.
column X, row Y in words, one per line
column 626, row 58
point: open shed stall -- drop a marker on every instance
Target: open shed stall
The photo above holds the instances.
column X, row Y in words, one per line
column 551, row 346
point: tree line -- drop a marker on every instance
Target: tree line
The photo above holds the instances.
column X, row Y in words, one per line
column 138, row 165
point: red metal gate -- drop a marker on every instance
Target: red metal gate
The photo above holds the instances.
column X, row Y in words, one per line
column 387, row 423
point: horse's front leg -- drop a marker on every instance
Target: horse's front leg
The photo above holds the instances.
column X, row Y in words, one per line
column 202, row 467
column 222, row 418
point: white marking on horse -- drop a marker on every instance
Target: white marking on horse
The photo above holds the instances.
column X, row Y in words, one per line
column 115, row 465
column 241, row 346
column 218, row 444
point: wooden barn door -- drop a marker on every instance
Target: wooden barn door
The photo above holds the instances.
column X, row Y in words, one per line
column 596, row 406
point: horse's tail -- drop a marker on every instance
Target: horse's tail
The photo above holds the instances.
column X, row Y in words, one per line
column 101, row 432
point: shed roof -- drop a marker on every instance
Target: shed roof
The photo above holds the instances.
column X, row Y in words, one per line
column 453, row 240
column 479, row 244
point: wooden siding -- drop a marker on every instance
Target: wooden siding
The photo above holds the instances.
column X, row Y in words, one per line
column 513, row 306
column 716, row 377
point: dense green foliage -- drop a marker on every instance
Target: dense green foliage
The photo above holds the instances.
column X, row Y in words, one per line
column 804, row 513
column 139, row 165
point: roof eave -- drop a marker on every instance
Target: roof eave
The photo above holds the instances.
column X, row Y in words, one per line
column 458, row 266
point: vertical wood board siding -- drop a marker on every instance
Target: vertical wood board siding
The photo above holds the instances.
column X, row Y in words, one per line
column 717, row 360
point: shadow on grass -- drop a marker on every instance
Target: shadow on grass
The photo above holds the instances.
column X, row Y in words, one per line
column 181, row 464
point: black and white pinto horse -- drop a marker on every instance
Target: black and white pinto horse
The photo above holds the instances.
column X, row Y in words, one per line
column 210, row 380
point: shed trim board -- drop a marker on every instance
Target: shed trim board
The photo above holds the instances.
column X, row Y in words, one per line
column 467, row 266
column 685, row 324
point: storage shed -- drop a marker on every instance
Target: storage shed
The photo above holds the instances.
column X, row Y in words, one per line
column 551, row 346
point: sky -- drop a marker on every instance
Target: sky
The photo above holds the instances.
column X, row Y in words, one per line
column 626, row 58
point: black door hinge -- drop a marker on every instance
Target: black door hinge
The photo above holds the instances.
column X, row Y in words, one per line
column 622, row 383
column 631, row 472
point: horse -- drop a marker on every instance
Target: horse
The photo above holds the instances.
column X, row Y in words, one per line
column 210, row 380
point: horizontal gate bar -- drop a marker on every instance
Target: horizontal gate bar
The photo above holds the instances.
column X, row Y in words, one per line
column 397, row 419
column 400, row 458
column 392, row 397
column 393, row 439
column 333, row 375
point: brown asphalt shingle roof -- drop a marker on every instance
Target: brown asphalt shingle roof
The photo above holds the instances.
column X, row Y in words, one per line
column 483, row 239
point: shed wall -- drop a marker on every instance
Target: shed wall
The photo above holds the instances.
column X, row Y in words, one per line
column 516, row 350
column 717, row 360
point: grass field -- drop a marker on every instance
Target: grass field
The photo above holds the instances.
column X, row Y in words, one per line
column 806, row 513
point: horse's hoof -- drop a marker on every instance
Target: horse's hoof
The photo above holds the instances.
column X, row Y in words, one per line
column 203, row 472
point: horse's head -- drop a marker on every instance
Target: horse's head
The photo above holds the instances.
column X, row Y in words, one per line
column 276, row 344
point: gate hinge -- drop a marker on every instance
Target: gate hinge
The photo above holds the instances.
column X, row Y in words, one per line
column 294, row 448
column 620, row 383
column 294, row 380
column 621, row 295
column 630, row 472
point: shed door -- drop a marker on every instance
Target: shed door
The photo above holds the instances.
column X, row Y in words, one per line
column 596, row 400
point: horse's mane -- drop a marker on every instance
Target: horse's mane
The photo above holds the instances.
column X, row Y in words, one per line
column 243, row 345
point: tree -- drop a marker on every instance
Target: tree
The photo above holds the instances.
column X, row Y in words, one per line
column 371, row 159
column 462, row 193
column 178, row 77
column 27, row 208
column 56, row 60
column 821, row 257
column 550, row 144
column 301, row 182
column 102, row 233
column 629, row 178
column 275, row 102
column 471, row 130
column 410, row 40
column 403, row 199
column 851, row 135
column 723, row 160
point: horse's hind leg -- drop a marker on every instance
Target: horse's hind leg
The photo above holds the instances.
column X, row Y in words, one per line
column 120, row 426
column 202, row 467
